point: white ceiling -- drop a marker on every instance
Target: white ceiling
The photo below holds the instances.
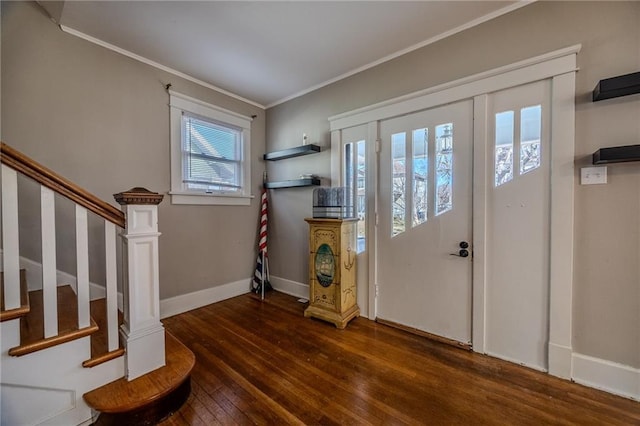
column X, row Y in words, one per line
column 265, row 51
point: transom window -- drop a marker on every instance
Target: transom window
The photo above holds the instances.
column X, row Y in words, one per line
column 209, row 154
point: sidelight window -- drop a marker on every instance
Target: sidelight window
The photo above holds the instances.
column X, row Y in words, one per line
column 354, row 178
column 398, row 183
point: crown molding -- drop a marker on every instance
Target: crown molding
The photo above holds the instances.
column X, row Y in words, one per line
column 157, row 65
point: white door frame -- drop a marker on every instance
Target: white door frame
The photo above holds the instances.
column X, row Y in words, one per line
column 369, row 132
column 560, row 67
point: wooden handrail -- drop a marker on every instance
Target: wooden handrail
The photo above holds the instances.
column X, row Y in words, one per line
column 36, row 171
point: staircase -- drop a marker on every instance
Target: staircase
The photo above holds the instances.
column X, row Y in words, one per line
column 71, row 349
column 42, row 378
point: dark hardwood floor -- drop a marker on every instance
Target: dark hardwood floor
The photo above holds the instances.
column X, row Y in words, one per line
column 264, row 363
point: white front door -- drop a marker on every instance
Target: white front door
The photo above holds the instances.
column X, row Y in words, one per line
column 518, row 207
column 425, row 205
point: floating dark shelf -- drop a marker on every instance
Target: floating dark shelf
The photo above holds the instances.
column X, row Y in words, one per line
column 292, row 183
column 614, row 87
column 617, row 154
column 292, row 152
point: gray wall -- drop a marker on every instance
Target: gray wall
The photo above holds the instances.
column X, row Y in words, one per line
column 102, row 120
column 606, row 309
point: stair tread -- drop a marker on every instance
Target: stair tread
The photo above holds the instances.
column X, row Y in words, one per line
column 32, row 325
column 23, row 309
column 123, row 396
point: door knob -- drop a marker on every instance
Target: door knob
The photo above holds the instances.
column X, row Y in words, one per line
column 461, row 253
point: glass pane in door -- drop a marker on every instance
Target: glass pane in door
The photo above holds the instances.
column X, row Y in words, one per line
column 354, row 178
column 444, row 168
column 398, row 182
column 530, row 129
column 504, row 148
column 420, row 175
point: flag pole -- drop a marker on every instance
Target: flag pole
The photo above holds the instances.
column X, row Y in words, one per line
column 261, row 281
column 262, row 253
column 264, row 271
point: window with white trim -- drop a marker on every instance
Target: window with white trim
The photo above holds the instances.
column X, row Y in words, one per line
column 209, row 153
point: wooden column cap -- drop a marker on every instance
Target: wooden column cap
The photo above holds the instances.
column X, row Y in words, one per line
column 138, row 195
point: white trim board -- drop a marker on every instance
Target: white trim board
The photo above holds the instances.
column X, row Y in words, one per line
column 197, row 299
column 292, row 288
column 605, row 375
column 157, row 65
column 453, row 31
column 473, row 23
column 537, row 68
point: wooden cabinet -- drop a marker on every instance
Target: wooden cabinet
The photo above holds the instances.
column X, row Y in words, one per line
column 332, row 270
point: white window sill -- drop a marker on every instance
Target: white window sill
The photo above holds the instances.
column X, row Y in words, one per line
column 200, row 198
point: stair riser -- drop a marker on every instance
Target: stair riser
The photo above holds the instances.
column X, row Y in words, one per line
column 55, row 378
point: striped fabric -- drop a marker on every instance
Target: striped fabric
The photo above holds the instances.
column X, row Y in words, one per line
column 261, row 275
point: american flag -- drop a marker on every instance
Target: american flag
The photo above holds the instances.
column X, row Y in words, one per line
column 260, row 282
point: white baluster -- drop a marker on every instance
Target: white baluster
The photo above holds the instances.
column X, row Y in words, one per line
column 49, row 278
column 10, row 240
column 82, row 260
column 111, row 285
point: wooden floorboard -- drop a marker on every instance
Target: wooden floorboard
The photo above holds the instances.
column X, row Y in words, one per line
column 262, row 362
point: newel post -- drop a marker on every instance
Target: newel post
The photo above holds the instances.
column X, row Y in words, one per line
column 142, row 331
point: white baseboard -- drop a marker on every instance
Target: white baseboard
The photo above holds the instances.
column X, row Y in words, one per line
column 187, row 302
column 34, row 280
column 608, row 376
column 560, row 360
column 292, row 288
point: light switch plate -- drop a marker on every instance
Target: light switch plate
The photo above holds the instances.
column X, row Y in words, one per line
column 593, row 175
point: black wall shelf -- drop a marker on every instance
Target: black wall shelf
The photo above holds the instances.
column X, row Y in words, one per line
column 617, row 154
column 292, row 152
column 614, row 87
column 292, row 183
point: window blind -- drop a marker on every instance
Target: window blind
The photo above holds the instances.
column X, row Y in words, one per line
column 211, row 155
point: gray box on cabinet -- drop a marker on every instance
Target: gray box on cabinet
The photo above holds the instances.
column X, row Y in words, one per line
column 333, row 203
